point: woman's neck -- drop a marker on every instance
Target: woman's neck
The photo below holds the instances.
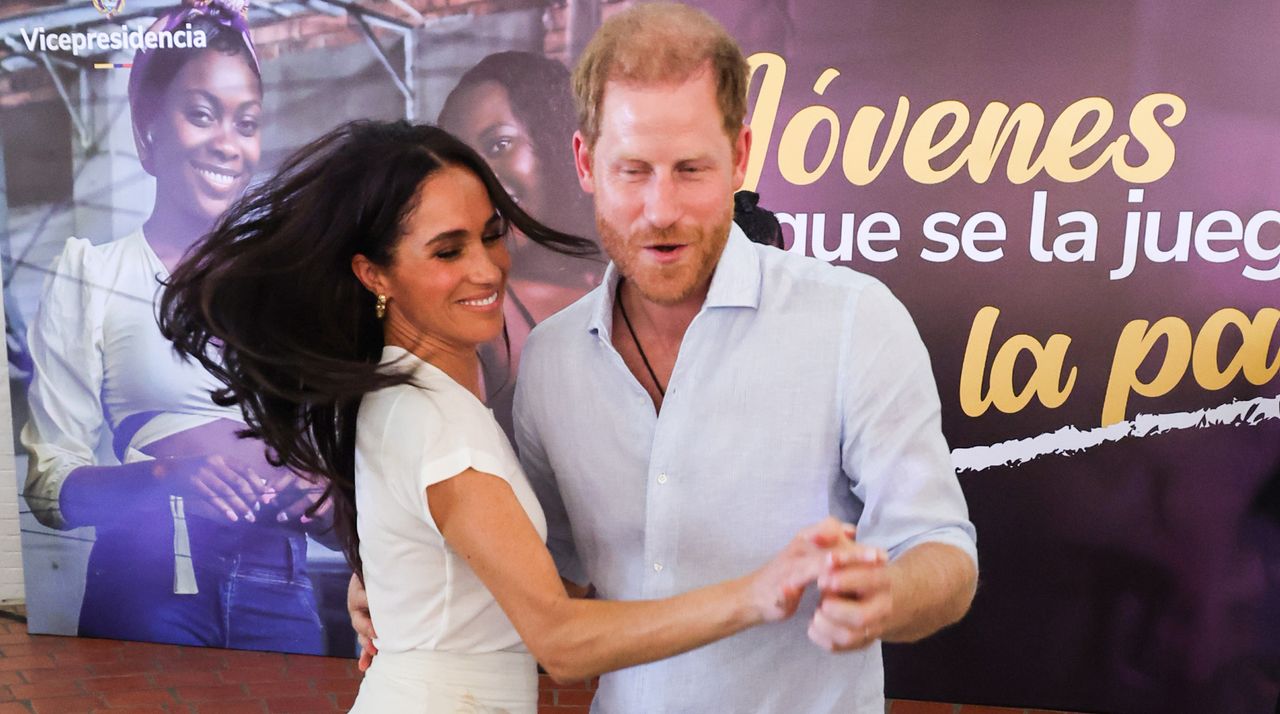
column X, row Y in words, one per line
column 461, row 368
column 460, row 362
column 170, row 232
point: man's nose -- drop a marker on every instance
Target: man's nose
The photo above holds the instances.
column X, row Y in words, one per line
column 662, row 205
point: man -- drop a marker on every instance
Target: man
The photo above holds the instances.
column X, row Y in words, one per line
column 713, row 397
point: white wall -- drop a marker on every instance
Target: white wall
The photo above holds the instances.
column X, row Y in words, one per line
column 10, row 545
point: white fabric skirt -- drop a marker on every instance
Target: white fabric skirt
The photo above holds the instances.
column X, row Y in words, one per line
column 422, row 682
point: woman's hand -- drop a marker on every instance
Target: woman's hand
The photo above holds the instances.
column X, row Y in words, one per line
column 232, row 479
column 775, row 589
column 289, row 498
column 291, row 495
column 212, row 487
column 361, row 621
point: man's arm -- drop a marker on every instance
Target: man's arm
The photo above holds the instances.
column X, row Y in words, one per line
column 933, row 586
column 900, row 469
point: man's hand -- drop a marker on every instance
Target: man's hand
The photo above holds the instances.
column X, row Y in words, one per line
column 865, row 598
column 361, row 622
column 857, row 598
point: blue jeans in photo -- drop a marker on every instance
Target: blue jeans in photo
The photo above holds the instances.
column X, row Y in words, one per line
column 254, row 592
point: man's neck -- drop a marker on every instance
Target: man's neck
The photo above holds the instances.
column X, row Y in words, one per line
column 667, row 321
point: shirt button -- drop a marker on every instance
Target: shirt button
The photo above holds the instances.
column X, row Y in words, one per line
column 662, row 478
column 657, row 567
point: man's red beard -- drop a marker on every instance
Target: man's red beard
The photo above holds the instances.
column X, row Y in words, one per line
column 666, row 284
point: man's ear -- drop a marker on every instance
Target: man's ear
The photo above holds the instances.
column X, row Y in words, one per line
column 741, row 156
column 582, row 162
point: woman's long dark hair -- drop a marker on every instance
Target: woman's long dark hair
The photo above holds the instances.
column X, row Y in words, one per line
column 268, row 302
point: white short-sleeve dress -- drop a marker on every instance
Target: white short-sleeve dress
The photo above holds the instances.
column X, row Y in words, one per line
column 444, row 644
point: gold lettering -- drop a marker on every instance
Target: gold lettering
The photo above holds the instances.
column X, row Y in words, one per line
column 1251, row 358
column 1061, row 147
column 1050, row 359
column 991, row 134
column 1135, row 343
column 920, row 149
column 799, row 132
column 773, row 73
column 996, row 128
column 1151, row 134
column 862, row 133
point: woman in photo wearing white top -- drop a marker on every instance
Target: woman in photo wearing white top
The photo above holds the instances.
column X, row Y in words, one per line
column 198, row 540
column 348, row 296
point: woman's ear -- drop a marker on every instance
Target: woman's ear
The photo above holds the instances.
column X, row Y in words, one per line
column 144, row 142
column 369, row 274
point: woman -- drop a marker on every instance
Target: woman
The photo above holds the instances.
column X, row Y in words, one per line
column 352, row 292
column 198, row 539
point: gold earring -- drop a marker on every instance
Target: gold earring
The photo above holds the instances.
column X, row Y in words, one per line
column 380, row 308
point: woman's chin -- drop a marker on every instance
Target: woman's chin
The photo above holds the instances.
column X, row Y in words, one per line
column 490, row 336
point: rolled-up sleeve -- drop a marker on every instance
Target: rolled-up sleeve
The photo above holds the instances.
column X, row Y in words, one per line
column 66, row 419
column 892, row 447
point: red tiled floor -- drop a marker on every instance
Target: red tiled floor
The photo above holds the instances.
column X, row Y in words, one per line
column 63, row 675
column 908, row 706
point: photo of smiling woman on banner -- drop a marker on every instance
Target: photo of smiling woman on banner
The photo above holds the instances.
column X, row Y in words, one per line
column 199, row 540
column 516, row 110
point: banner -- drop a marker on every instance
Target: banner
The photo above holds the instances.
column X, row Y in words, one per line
column 1077, row 202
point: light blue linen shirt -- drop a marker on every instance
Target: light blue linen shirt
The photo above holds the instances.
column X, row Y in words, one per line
column 800, row 390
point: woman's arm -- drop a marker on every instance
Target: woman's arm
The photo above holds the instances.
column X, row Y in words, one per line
column 481, row 519
column 64, row 487
column 65, row 421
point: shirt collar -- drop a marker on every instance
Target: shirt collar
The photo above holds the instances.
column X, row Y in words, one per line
column 735, row 282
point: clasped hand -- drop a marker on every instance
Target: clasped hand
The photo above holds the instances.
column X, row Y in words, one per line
column 856, row 599
column 220, row 488
column 853, row 579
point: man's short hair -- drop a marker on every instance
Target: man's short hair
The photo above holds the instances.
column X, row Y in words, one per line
column 659, row 43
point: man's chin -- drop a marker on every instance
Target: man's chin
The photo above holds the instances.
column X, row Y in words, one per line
column 665, row 290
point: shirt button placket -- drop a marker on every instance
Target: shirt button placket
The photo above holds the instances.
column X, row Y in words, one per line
column 660, row 545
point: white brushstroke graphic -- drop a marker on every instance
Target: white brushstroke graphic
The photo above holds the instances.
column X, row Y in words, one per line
column 1070, row 440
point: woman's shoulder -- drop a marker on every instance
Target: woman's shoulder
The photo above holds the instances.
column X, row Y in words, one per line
column 415, row 424
column 83, row 258
column 422, row 402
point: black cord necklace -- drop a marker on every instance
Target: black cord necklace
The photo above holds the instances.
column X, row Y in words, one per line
column 639, row 348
